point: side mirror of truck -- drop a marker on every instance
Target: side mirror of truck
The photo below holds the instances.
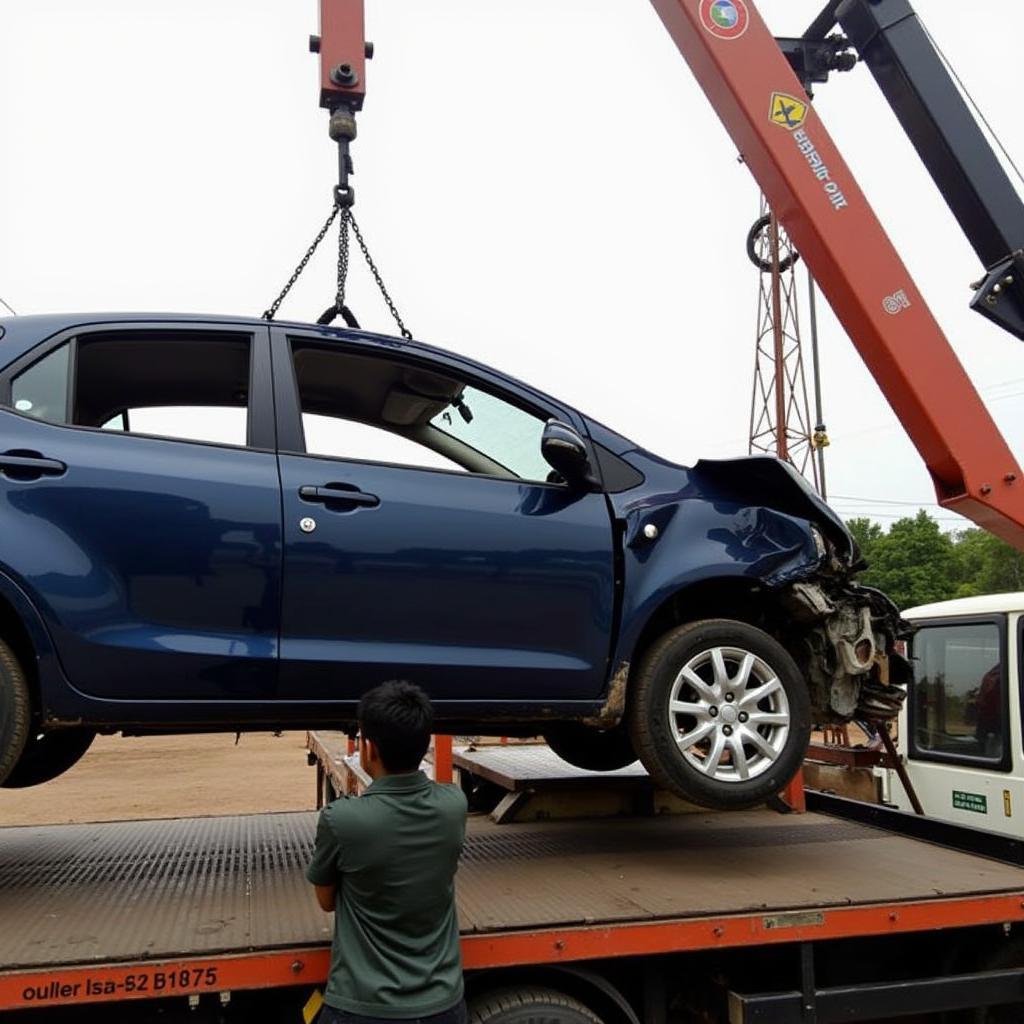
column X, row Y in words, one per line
column 565, row 452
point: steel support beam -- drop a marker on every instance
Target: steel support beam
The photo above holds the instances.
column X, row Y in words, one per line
column 893, row 43
column 810, row 188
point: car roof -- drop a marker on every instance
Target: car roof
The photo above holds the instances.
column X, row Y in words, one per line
column 984, row 604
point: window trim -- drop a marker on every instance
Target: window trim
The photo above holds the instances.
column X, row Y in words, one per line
column 1003, row 764
column 261, row 421
column 291, row 437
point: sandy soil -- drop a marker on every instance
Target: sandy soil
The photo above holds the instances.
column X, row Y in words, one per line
column 171, row 777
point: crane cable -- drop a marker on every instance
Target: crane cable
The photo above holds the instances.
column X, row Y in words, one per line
column 970, row 99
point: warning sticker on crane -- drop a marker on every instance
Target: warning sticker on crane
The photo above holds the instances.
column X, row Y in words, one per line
column 790, row 113
column 724, row 19
column 787, row 111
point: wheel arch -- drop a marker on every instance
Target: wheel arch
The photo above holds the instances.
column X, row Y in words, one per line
column 721, row 597
column 23, row 630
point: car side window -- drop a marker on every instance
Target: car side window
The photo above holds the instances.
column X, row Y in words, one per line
column 382, row 410
column 41, row 391
column 960, row 707
column 183, row 385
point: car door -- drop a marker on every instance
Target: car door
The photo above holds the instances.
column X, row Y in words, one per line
column 142, row 507
column 487, row 584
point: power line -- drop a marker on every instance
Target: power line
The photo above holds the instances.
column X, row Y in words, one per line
column 8, row 306
column 885, row 501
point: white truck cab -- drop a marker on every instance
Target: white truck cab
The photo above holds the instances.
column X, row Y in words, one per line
column 960, row 729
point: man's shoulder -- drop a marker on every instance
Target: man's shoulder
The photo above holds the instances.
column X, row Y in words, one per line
column 450, row 796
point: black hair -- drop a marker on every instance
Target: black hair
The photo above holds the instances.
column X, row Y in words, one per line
column 397, row 718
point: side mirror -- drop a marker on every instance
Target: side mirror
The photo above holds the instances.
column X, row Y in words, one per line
column 564, row 451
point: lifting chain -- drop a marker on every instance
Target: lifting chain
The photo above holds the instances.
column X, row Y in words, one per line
column 343, row 206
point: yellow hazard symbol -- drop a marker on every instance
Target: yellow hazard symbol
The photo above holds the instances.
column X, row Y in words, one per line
column 787, row 111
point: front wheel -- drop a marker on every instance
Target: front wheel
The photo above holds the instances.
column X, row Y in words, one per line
column 720, row 714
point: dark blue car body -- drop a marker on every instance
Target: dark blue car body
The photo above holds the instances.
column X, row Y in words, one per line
column 168, row 584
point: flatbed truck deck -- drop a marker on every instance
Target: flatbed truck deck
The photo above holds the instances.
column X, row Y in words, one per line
column 207, row 906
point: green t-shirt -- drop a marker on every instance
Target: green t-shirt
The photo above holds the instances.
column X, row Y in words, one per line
column 392, row 853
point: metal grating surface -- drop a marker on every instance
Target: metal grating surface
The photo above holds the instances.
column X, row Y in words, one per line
column 77, row 894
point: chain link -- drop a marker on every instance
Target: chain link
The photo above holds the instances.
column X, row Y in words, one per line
column 276, row 304
column 406, row 333
column 346, row 217
column 347, row 221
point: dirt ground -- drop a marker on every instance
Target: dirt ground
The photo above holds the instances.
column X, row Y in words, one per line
column 170, row 777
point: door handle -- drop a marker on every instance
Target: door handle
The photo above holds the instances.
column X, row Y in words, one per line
column 29, row 467
column 339, row 496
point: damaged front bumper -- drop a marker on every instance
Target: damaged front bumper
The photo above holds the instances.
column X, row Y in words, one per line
column 844, row 636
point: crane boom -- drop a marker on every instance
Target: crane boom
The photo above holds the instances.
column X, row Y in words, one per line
column 763, row 106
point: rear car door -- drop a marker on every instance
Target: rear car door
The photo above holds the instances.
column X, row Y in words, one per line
column 423, row 537
column 142, row 507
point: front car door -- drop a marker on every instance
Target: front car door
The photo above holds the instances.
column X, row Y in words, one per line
column 424, row 539
column 143, row 508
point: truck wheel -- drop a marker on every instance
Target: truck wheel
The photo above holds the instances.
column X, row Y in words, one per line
column 529, row 1005
column 594, row 749
column 720, row 714
column 48, row 755
column 15, row 711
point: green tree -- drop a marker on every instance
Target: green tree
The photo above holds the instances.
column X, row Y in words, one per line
column 986, row 565
column 866, row 533
column 913, row 563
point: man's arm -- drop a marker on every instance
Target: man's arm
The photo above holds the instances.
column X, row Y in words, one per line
column 325, row 895
column 323, row 867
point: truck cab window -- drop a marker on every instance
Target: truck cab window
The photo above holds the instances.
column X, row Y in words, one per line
column 959, row 693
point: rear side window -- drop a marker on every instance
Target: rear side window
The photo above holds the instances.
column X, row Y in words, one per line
column 42, row 390
column 959, row 702
column 178, row 384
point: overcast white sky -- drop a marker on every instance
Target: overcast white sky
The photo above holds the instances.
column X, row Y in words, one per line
column 541, row 181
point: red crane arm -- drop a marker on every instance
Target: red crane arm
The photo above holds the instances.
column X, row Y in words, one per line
column 783, row 141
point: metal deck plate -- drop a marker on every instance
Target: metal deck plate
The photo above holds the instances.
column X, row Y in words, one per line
column 517, row 767
column 79, row 894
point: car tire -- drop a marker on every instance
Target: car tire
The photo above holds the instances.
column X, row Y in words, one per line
column 15, row 711
column 48, row 755
column 702, row 725
column 529, row 1005
column 596, row 750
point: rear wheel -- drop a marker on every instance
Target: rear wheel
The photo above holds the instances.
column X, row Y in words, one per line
column 594, row 749
column 47, row 755
column 15, row 711
column 720, row 714
column 529, row 1005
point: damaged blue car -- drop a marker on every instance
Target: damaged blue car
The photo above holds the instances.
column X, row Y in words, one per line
column 234, row 524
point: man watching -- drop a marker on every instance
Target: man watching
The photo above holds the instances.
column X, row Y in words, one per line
column 385, row 864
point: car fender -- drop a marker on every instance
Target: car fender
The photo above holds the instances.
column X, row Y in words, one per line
column 672, row 545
